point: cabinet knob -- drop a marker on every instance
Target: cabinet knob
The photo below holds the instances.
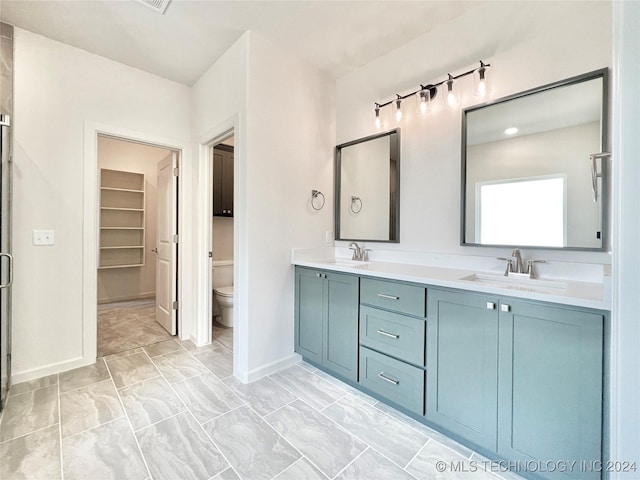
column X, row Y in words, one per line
column 491, row 306
column 505, row 308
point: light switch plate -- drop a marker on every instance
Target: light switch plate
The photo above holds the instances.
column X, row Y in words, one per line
column 328, row 236
column 44, row 237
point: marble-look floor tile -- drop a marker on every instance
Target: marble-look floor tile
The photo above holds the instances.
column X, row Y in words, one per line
column 161, row 348
column 346, row 387
column 318, row 438
column 88, row 407
column 178, row 366
column 207, row 397
column 252, row 447
column 33, row 384
column 126, row 353
column 178, row 448
column 309, row 387
column 218, row 360
column 223, row 335
column 303, row 469
column 132, row 369
column 83, row 376
column 191, row 347
column 391, row 437
column 149, row 402
column 308, row 366
column 107, row 452
column 32, row 457
column 423, row 429
column 424, row 465
column 27, row 412
column 263, row 395
column 228, row 474
column 373, row 466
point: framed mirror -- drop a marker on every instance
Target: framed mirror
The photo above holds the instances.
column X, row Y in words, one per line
column 533, row 168
column 367, row 186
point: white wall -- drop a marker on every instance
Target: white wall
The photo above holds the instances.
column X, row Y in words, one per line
column 624, row 394
column 290, row 139
column 58, row 90
column 541, row 42
column 139, row 282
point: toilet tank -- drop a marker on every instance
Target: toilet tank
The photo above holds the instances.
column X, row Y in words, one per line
column 222, row 273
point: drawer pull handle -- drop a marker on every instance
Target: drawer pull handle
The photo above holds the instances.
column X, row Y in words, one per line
column 388, row 379
column 387, row 334
column 390, row 297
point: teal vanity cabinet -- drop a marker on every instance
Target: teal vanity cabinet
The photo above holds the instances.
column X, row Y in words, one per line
column 462, row 365
column 550, row 385
column 326, row 320
column 392, row 338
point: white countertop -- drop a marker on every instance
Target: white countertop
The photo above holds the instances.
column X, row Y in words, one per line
column 579, row 294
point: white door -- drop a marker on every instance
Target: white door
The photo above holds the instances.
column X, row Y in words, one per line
column 166, row 293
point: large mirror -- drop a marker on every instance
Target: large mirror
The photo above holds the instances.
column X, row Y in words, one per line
column 367, row 186
column 533, row 168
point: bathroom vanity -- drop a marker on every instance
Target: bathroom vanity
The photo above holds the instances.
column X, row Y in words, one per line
column 512, row 371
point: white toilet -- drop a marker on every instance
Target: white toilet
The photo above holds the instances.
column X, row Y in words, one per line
column 223, row 291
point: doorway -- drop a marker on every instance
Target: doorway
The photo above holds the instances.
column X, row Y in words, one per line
column 222, row 248
column 137, row 265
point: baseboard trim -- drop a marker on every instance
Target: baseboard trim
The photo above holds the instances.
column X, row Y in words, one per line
column 140, row 296
column 268, row 369
column 26, row 375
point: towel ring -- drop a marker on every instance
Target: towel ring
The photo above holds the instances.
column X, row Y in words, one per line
column 315, row 194
column 356, row 204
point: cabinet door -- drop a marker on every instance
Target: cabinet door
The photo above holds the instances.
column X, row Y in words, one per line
column 218, row 156
column 550, row 393
column 341, row 325
column 462, row 365
column 309, row 312
column 227, row 183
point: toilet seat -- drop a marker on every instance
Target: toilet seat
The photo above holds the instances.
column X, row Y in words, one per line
column 225, row 291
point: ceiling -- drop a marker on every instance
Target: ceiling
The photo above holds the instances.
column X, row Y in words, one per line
column 335, row 36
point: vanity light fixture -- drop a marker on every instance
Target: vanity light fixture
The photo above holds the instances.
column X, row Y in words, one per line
column 398, row 108
column 377, row 122
column 426, row 93
column 481, row 81
column 511, row 130
column 452, row 95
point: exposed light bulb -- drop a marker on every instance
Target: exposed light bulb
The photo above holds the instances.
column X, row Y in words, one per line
column 482, row 85
column 424, row 101
column 398, row 110
column 452, row 97
column 377, row 122
column 511, row 130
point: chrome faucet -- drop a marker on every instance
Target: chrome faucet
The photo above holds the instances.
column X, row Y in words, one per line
column 518, row 267
column 515, row 265
column 357, row 251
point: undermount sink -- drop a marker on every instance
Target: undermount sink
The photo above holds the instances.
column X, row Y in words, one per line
column 345, row 262
column 523, row 284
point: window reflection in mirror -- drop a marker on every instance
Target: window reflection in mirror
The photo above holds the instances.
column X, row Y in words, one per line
column 514, row 147
column 367, row 188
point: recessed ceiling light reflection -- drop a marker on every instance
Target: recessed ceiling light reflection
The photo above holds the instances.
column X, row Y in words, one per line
column 511, row 131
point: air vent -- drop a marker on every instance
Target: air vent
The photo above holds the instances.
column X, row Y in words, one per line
column 157, row 5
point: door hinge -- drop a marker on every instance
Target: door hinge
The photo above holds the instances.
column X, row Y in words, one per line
column 176, row 171
column 175, row 305
column 175, row 239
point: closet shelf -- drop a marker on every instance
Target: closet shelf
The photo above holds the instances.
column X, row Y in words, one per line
column 122, row 219
column 123, row 209
column 129, row 190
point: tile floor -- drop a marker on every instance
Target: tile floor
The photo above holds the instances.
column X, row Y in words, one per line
column 123, row 326
column 173, row 411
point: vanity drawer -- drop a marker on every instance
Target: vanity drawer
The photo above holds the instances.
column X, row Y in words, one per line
column 398, row 297
column 399, row 382
column 393, row 334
